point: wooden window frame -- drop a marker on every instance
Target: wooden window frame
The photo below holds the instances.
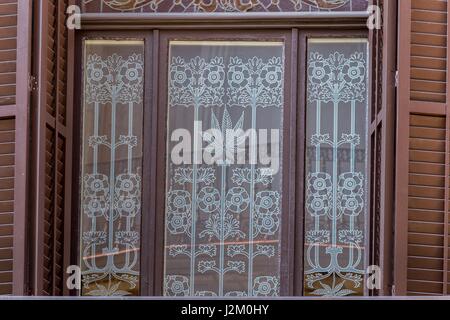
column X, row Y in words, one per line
column 97, row 26
column 288, row 218
column 148, row 161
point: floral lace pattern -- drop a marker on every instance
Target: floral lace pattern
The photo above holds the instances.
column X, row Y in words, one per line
column 222, row 5
column 335, row 197
column 214, row 214
column 111, row 201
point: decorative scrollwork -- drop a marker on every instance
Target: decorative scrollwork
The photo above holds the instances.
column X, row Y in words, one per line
column 337, row 78
column 176, row 286
column 319, row 194
column 335, row 199
column 266, row 287
column 111, row 201
column 114, row 79
column 210, row 206
column 350, row 193
column 196, row 82
column 255, row 82
column 222, row 5
column 237, row 200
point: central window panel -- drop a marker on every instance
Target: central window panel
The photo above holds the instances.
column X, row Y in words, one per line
column 223, row 170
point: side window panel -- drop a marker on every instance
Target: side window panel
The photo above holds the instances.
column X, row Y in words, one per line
column 111, row 166
column 336, row 164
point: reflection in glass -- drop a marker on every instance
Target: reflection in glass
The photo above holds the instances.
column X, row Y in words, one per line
column 111, row 167
column 336, row 161
column 223, row 218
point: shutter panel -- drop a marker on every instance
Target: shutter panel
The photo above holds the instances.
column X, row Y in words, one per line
column 8, row 33
column 428, row 50
column 426, row 204
column 15, row 31
column 8, row 45
column 422, row 186
column 52, row 150
column 7, row 151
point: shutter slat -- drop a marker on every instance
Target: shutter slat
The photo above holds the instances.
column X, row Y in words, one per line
column 426, row 203
column 428, row 50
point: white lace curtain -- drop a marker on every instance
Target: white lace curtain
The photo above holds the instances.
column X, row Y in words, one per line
column 223, row 221
column 336, row 165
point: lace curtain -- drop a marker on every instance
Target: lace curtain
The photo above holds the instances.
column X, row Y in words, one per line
column 111, row 167
column 223, row 220
column 336, row 165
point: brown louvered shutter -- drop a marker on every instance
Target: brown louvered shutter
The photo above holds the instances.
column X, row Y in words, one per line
column 7, row 151
column 423, row 153
column 8, row 43
column 15, row 28
column 428, row 50
column 51, row 148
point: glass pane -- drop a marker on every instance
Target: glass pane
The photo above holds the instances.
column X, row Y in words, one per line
column 336, row 163
column 111, row 167
column 223, row 205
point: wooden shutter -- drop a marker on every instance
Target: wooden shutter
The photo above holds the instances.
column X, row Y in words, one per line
column 15, row 30
column 51, row 147
column 422, row 180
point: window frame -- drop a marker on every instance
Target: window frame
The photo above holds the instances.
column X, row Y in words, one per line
column 146, row 245
column 155, row 109
column 286, row 267
column 300, row 178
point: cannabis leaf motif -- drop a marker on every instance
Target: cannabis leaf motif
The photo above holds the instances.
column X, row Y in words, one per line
column 111, row 290
column 327, row 291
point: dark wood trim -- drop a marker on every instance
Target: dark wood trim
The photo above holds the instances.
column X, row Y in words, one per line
column 288, row 238
column 148, row 175
column 22, row 120
column 388, row 114
column 76, row 155
column 401, row 179
column 290, row 158
column 162, row 59
column 71, row 50
column 153, row 223
column 154, row 151
column 228, row 20
column 289, row 152
column 39, row 143
column 300, row 162
column 373, row 141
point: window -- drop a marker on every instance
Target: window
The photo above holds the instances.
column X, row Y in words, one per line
column 336, row 166
column 111, row 166
column 248, row 172
column 223, row 208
